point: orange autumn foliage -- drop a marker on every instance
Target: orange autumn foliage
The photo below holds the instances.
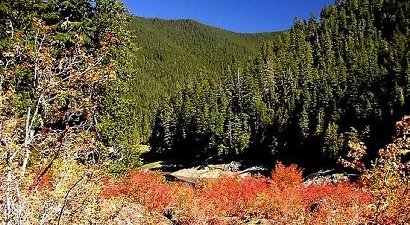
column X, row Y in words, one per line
column 232, row 196
column 283, row 176
column 147, row 188
column 282, row 198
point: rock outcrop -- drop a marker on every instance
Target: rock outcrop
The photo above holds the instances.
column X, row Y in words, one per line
column 214, row 171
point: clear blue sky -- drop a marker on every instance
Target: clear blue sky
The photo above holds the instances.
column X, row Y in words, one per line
column 247, row 16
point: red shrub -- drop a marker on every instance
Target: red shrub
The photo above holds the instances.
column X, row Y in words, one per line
column 282, row 199
column 233, row 196
column 283, row 176
column 341, row 201
column 147, row 188
column 344, row 193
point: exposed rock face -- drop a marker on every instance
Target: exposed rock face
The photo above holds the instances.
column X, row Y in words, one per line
column 328, row 176
column 192, row 175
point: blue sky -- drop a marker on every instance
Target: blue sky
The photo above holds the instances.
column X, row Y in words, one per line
column 248, row 16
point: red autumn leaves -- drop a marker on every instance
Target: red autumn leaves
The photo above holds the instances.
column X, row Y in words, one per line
column 282, row 198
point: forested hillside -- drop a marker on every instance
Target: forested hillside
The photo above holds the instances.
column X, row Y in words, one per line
column 83, row 84
column 326, row 81
column 165, row 56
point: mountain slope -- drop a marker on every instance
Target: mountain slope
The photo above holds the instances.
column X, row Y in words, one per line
column 186, row 46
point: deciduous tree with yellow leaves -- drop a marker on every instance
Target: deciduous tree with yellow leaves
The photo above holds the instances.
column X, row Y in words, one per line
column 56, row 60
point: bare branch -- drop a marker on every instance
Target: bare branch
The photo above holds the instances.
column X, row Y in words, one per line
column 66, row 197
column 30, row 133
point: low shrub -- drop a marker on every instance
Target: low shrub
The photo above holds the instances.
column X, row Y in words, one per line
column 282, row 199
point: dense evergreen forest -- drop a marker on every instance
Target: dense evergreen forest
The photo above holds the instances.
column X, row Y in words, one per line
column 164, row 57
column 298, row 96
column 195, row 92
